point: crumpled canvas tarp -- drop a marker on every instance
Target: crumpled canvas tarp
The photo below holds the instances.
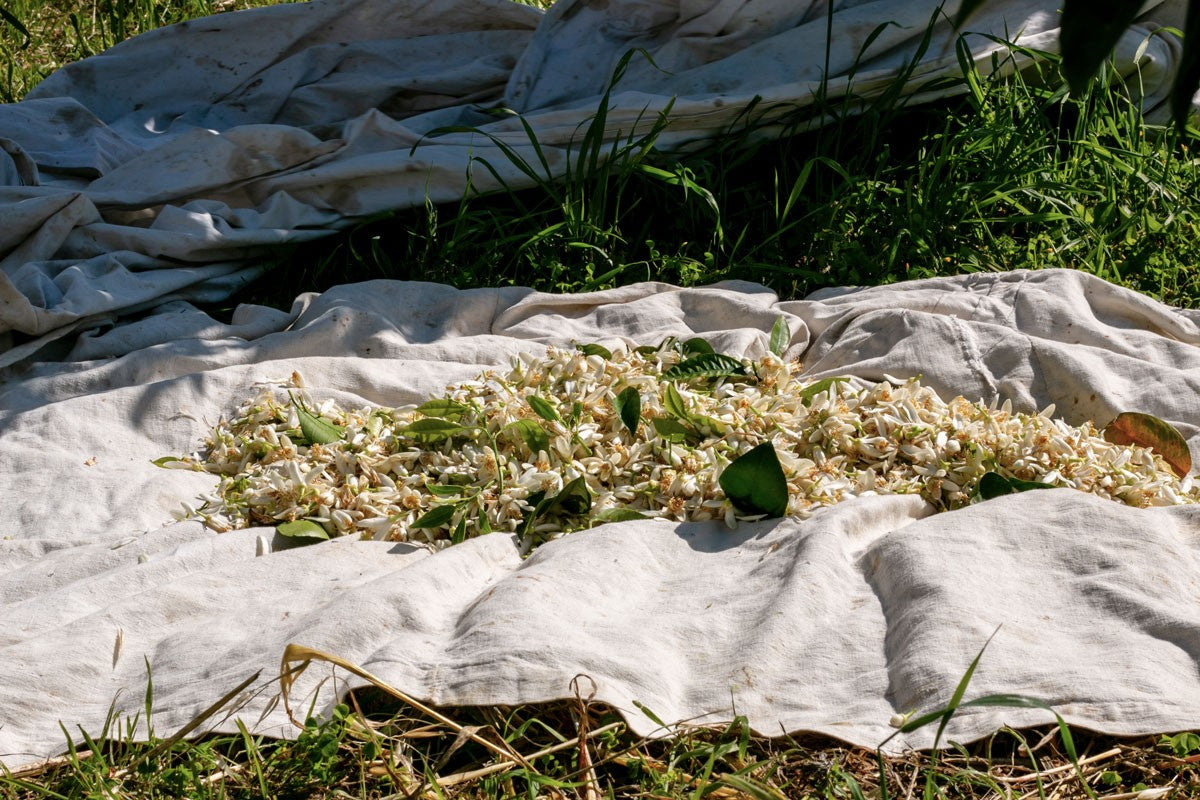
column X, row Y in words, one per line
column 834, row 624
column 156, row 171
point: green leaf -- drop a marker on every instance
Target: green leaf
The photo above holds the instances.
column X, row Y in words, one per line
column 618, row 515
column 813, row 389
column 594, row 350
column 436, row 517
column 431, row 429
column 696, row 347
column 993, row 484
column 628, row 405
column 781, row 336
column 534, row 436
column 317, row 430
column 755, row 482
column 576, row 413
column 460, row 532
column 708, row 426
column 646, row 350
column 442, row 490
column 443, row 408
column 303, row 529
column 261, row 449
column 673, row 431
column 709, row 365
column 674, row 405
column 12, row 20
column 1089, row 32
column 162, row 462
column 1145, row 430
column 543, row 409
column 575, row 498
column 1181, row 744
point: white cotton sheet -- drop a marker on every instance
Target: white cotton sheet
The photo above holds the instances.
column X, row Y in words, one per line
column 873, row 608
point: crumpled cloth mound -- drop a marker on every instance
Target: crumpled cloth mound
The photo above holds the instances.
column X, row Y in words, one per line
column 159, row 170
column 872, row 608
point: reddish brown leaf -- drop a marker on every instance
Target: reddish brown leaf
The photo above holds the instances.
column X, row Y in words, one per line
column 1131, row 427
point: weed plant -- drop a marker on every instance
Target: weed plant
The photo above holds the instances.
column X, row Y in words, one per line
column 1010, row 173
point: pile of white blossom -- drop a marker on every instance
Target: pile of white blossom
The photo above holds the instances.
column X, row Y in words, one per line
column 566, row 440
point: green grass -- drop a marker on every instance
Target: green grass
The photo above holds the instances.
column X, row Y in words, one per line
column 61, row 31
column 1010, row 174
column 376, row 747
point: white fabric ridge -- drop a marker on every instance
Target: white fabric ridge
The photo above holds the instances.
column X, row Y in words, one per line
column 833, row 625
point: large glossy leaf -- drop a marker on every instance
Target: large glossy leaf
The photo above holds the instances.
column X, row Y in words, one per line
column 628, row 405
column 317, row 430
column 707, row 365
column 755, row 482
column 303, row 529
column 1131, row 427
column 1090, row 29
